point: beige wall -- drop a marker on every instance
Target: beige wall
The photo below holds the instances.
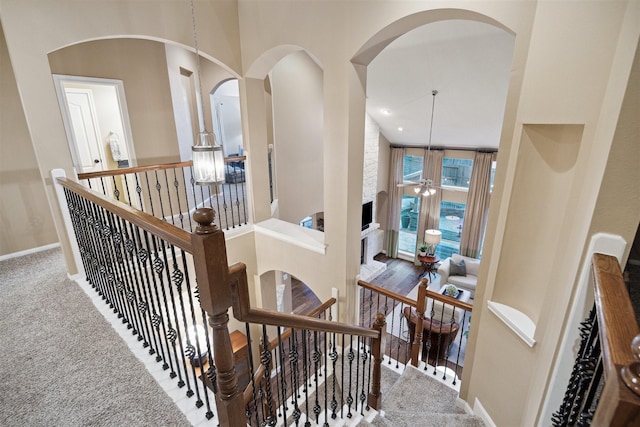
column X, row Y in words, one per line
column 622, row 175
column 25, row 218
column 296, row 85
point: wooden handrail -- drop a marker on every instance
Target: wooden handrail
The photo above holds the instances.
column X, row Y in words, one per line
column 243, row 312
column 248, row 391
column 413, row 303
column 618, row 404
column 387, row 293
column 138, row 169
column 284, row 335
column 153, row 225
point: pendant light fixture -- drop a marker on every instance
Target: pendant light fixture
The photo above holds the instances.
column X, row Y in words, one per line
column 207, row 156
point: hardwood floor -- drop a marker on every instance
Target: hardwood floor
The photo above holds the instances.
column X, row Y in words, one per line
column 400, row 277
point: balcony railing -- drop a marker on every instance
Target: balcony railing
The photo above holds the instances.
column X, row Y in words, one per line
column 604, row 387
column 173, row 289
column 169, row 192
column 441, row 342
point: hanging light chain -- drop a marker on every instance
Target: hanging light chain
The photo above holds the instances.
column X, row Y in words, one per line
column 195, row 45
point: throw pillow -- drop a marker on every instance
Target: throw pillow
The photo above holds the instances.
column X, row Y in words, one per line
column 457, row 268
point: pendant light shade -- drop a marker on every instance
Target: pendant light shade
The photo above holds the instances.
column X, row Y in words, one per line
column 208, row 160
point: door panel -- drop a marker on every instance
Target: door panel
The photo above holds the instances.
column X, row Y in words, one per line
column 85, row 130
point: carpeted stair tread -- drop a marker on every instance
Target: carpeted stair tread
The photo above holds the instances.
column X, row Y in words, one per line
column 434, row 396
column 398, row 419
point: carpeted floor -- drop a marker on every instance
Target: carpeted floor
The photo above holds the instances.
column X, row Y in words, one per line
column 61, row 363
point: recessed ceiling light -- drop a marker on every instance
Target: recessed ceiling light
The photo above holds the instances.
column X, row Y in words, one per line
column 386, row 112
column 400, row 128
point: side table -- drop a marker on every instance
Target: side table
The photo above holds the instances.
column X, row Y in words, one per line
column 429, row 263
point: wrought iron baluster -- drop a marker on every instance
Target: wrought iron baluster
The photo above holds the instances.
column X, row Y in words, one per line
column 178, row 281
column 275, row 358
column 588, row 333
column 160, row 317
column 139, row 302
column 147, row 305
column 342, row 379
column 244, row 196
column 593, row 396
column 364, row 356
column 139, row 191
column 334, row 358
column 125, row 180
column 431, row 314
column 198, row 347
column 176, row 185
column 168, row 189
column 399, row 337
column 439, row 345
column 283, row 377
column 316, row 363
column 464, row 324
column 326, row 380
column 129, row 246
column 146, row 176
column 305, row 375
column 174, row 335
column 369, row 375
column 119, row 276
column 265, row 359
column 104, row 189
column 253, row 381
column 293, row 360
column 350, row 357
column 94, row 227
column 116, row 192
column 158, row 187
column 186, row 197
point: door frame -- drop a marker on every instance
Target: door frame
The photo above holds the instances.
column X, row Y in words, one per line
column 59, row 81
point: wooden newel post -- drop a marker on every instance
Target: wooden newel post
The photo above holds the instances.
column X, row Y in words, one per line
column 420, row 308
column 212, row 276
column 375, row 396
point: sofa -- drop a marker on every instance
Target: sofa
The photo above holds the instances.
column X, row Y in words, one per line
column 463, row 277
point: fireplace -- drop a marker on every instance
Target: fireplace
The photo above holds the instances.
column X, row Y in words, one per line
column 371, row 241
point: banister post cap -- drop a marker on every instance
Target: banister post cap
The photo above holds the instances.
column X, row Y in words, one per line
column 204, row 217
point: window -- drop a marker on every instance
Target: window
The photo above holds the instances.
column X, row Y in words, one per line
column 451, row 218
column 493, row 175
column 456, row 172
column 412, row 168
column 407, row 238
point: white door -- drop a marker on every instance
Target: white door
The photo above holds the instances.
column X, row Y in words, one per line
column 86, row 132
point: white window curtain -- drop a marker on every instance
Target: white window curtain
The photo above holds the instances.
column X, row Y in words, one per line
column 395, row 202
column 430, row 206
column 475, row 216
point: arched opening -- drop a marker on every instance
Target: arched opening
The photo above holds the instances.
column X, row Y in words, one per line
column 160, row 80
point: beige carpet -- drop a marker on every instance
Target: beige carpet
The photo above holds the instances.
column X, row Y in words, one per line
column 61, row 363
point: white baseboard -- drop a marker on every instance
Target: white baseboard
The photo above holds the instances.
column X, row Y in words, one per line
column 29, row 251
column 462, row 404
column 479, row 410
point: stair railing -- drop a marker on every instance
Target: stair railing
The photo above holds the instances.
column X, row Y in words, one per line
column 441, row 340
column 168, row 191
column 143, row 268
column 327, row 369
column 604, row 387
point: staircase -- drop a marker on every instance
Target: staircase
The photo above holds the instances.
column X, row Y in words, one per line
column 418, row 399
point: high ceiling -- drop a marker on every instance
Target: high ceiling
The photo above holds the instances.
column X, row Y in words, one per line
column 468, row 62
